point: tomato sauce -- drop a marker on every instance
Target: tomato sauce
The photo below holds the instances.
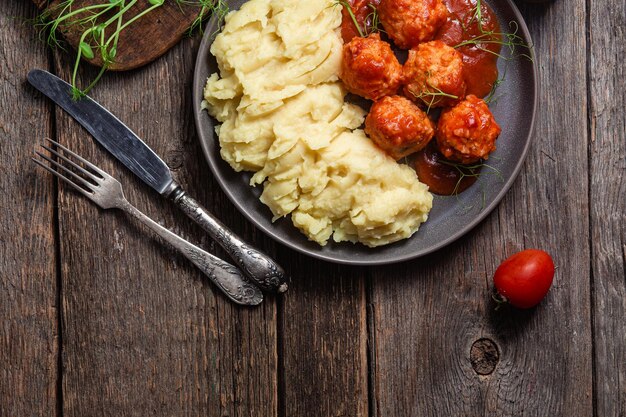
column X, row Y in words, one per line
column 362, row 10
column 481, row 72
column 480, row 59
column 441, row 177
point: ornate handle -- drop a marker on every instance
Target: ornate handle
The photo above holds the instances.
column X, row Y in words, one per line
column 257, row 266
column 224, row 275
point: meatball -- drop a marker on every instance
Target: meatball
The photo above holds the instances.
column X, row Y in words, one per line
column 398, row 126
column 410, row 22
column 370, row 68
column 433, row 75
column 467, row 132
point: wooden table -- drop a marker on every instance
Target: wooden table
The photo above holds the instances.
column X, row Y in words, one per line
column 100, row 319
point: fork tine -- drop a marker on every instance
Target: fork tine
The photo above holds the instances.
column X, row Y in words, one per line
column 80, row 158
column 72, row 173
column 72, row 163
column 63, row 177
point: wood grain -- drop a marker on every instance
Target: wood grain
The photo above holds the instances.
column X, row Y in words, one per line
column 146, row 39
column 607, row 152
column 29, row 342
column 429, row 313
column 144, row 331
column 324, row 340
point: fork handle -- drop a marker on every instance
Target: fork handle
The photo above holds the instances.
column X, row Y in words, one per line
column 224, row 275
column 257, row 266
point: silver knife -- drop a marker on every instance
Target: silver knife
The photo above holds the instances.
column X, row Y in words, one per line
column 126, row 146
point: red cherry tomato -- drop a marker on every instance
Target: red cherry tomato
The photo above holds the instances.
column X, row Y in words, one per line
column 524, row 278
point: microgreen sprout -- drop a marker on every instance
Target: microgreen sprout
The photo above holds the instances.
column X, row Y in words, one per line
column 348, row 9
column 433, row 97
column 431, row 94
column 470, row 171
column 511, row 41
column 372, row 17
column 100, row 26
column 491, row 97
column 217, row 8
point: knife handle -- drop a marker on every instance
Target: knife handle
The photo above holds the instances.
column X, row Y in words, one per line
column 224, row 275
column 257, row 266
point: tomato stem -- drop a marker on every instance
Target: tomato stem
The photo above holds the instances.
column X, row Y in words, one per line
column 499, row 299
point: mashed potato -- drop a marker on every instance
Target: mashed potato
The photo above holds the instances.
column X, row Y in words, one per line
column 283, row 116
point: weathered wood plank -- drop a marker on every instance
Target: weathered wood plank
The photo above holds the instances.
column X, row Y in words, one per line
column 607, row 150
column 429, row 313
column 144, row 331
column 324, row 340
column 29, row 344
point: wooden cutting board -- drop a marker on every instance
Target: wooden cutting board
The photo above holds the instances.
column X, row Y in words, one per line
column 147, row 38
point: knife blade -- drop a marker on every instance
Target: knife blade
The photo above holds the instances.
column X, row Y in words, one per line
column 114, row 135
column 131, row 151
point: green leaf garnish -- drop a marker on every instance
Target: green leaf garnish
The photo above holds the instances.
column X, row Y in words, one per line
column 86, row 50
column 431, row 95
column 473, row 170
column 371, row 17
column 510, row 41
column 100, row 26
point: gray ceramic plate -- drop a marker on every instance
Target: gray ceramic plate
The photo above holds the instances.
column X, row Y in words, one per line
column 450, row 218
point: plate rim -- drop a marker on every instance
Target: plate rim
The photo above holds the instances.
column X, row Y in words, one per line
column 198, row 96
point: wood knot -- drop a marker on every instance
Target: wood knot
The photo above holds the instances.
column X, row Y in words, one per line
column 484, row 356
column 174, row 159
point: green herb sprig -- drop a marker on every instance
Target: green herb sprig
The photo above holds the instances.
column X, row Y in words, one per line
column 491, row 97
column 217, row 8
column 100, row 26
column 511, row 41
column 470, row 171
column 433, row 95
column 372, row 17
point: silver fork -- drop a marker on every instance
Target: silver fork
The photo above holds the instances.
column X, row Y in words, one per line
column 106, row 192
